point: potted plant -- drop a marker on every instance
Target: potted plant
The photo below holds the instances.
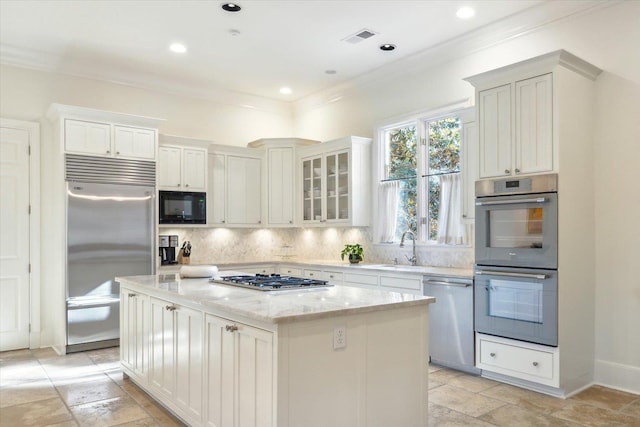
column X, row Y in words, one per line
column 354, row 253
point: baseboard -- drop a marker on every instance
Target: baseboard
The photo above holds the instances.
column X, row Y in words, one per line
column 617, row 376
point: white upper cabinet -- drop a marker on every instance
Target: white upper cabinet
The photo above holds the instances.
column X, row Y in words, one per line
column 135, row 142
column 516, row 128
column 235, row 187
column 280, row 185
column 182, row 168
column 106, row 134
column 469, row 169
column 334, row 183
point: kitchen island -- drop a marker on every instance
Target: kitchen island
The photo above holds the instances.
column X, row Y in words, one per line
column 218, row 355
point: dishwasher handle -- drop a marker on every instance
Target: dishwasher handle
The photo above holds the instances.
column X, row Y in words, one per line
column 445, row 283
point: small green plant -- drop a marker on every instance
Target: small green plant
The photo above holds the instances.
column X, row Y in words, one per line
column 354, row 252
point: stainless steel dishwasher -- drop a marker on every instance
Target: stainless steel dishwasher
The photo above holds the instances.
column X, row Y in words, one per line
column 451, row 337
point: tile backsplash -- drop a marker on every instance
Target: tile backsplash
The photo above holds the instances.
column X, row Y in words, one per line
column 225, row 245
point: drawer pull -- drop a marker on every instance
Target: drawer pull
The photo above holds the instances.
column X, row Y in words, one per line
column 171, row 308
column 231, row 328
column 535, row 363
column 331, row 276
column 311, row 274
column 492, row 354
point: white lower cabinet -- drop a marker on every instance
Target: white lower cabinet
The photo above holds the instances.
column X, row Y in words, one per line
column 530, row 362
column 239, row 374
column 402, row 283
column 176, row 355
column 134, row 321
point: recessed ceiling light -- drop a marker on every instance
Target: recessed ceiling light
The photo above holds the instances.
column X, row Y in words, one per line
column 178, row 48
column 286, row 90
column 387, row 47
column 465, row 12
column 231, row 7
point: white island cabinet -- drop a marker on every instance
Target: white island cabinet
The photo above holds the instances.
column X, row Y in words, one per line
column 268, row 359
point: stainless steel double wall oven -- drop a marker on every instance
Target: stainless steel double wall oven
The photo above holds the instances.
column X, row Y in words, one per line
column 516, row 271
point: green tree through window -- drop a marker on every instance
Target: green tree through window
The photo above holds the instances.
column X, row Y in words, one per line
column 403, row 164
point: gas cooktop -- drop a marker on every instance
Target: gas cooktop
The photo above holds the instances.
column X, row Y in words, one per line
column 273, row 282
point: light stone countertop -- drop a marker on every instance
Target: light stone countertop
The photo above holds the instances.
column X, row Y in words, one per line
column 466, row 273
column 270, row 307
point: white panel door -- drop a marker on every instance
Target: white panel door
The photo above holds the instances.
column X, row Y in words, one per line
column 534, row 125
column 14, row 239
column 87, row 137
column 194, row 172
column 216, row 195
column 280, row 186
column 495, row 132
column 189, row 354
column 169, row 168
column 161, row 350
column 243, row 190
column 135, row 143
column 220, row 375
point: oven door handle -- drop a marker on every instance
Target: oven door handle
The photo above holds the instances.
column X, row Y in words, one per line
column 503, row 273
column 443, row 283
column 511, row 202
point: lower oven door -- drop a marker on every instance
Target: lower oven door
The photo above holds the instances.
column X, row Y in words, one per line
column 517, row 303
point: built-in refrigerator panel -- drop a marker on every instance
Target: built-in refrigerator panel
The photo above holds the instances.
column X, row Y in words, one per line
column 110, row 232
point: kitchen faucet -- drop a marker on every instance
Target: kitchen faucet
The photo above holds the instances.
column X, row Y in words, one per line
column 413, row 259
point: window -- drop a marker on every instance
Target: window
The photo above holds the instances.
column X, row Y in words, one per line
column 427, row 176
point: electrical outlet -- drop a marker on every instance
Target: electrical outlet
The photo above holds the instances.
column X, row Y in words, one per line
column 339, row 337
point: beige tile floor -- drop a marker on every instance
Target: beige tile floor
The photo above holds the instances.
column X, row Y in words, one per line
column 39, row 388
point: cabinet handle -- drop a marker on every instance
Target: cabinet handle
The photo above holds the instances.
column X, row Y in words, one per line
column 222, row 222
column 464, row 215
column 170, row 308
column 259, row 222
column 290, row 222
column 535, row 363
column 133, row 295
column 517, row 170
column 117, row 153
column 492, row 354
column 108, row 151
column 178, row 185
column 331, row 276
column 507, row 171
column 186, row 185
column 231, row 328
column 311, row 274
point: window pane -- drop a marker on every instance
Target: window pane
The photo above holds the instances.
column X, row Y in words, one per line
column 443, row 157
column 402, row 162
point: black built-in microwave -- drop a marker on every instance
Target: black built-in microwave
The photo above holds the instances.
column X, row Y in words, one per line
column 182, row 207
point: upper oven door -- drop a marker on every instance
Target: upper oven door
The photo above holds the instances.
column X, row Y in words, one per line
column 517, row 230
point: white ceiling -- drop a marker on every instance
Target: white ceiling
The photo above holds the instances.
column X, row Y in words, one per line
column 280, row 43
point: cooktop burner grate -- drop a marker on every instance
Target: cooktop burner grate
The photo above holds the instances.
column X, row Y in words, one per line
column 273, row 282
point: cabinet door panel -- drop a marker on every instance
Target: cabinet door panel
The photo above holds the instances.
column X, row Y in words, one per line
column 161, row 355
column 243, row 190
column 220, row 375
column 87, row 137
column 169, row 168
column 280, row 186
column 495, row 131
column 469, row 160
column 135, row 143
column 534, row 127
column 216, row 194
column 134, row 344
column 194, row 169
column 189, row 350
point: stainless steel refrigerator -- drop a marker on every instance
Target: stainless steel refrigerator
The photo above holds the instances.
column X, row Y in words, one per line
column 110, row 232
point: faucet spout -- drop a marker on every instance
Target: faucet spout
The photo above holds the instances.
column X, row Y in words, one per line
column 413, row 260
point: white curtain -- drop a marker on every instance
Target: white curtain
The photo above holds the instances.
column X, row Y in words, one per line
column 388, row 198
column 451, row 231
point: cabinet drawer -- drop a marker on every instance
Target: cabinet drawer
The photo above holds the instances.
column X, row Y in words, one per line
column 333, row 276
column 290, row 271
column 521, row 362
column 313, row 274
column 361, row 279
column 414, row 284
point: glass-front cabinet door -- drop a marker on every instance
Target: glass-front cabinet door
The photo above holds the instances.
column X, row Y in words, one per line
column 337, row 179
column 312, row 189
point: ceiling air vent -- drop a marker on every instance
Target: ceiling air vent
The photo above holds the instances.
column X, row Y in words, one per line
column 360, row 36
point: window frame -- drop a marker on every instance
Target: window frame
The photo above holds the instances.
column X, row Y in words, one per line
column 421, row 121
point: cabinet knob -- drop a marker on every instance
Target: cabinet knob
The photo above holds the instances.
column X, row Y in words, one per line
column 259, row 222
column 311, row 274
column 517, row 170
column 492, row 354
column 108, row 151
column 507, row 171
column 186, row 185
column 331, row 276
column 290, row 222
column 231, row 328
column 535, row 363
column 464, row 215
column 178, row 185
column 222, row 221
column 170, row 308
column 117, row 153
